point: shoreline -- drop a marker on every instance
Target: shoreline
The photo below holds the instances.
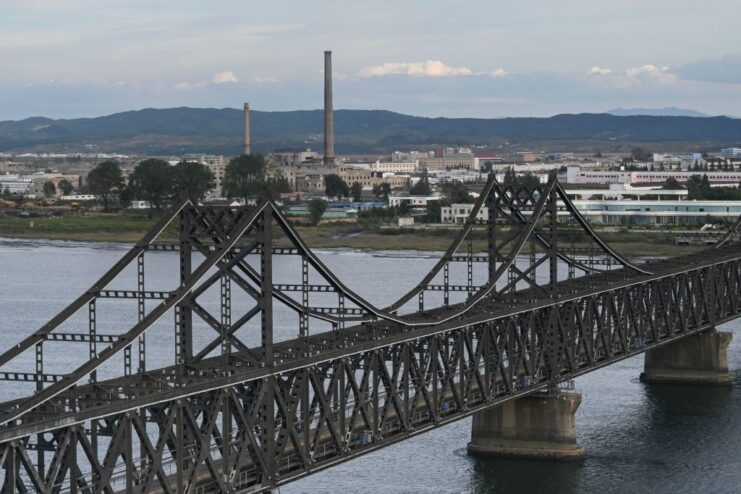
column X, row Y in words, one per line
column 337, row 238
column 130, row 228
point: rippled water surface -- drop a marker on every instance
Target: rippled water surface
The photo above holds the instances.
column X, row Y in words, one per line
column 638, row 438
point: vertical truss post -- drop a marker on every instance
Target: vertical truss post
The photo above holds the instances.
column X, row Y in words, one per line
column 421, row 300
column 129, row 452
column 39, row 366
column 266, row 289
column 267, row 426
column 446, row 284
column 226, row 439
column 304, row 316
column 183, row 312
column 553, row 249
column 141, row 308
column 340, row 311
column 93, row 345
column 226, row 317
column 11, row 469
column 72, row 467
column 533, row 260
column 179, row 447
column 491, row 231
column 469, row 259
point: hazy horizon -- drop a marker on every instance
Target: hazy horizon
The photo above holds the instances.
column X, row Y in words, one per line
column 364, row 109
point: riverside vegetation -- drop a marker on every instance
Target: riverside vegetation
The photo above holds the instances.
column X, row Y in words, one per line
column 128, row 227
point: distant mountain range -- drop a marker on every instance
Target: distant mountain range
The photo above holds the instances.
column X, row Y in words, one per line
column 669, row 111
column 207, row 130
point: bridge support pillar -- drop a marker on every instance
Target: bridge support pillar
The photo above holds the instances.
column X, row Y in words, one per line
column 697, row 359
column 538, row 426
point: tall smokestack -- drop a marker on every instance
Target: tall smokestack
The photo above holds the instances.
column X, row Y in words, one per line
column 328, row 115
column 247, row 144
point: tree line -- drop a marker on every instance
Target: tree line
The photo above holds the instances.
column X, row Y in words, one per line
column 160, row 184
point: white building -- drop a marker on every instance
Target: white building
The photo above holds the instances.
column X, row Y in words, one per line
column 395, row 166
column 455, row 162
column 731, row 152
column 459, row 213
column 575, row 175
column 414, row 202
column 15, row 184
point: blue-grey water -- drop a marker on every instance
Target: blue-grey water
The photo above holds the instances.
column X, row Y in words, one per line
column 638, row 438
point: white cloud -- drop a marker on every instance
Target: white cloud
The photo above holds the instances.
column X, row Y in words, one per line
column 599, row 71
column 183, row 86
column 500, row 72
column 430, row 68
column 224, row 77
column 660, row 75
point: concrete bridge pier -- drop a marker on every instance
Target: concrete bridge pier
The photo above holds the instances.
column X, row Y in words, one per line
column 697, row 359
column 537, row 426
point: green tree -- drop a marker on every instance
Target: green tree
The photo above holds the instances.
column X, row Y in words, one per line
column 191, row 180
column 382, row 190
column 456, row 192
column 422, row 187
column 245, row 176
column 356, row 191
column 334, row 186
column 672, row 184
column 526, row 180
column 272, row 188
column 487, row 166
column 66, row 187
column 152, row 181
column 105, row 180
column 316, row 210
column 433, row 214
column 50, row 190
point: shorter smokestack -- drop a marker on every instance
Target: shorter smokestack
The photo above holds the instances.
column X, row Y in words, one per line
column 247, row 144
column 328, row 112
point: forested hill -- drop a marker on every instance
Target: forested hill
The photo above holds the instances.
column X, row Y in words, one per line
column 184, row 130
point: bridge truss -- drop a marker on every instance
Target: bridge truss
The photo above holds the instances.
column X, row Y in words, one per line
column 248, row 363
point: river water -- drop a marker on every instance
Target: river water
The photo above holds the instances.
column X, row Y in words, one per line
column 638, row 438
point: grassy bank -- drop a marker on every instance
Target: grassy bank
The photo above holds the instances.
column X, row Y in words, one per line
column 130, row 228
column 92, row 228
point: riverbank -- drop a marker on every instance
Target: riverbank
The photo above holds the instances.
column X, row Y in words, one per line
column 130, row 228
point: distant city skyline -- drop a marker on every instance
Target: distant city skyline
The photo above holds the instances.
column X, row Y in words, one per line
column 469, row 59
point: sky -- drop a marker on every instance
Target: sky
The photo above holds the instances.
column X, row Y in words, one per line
column 488, row 58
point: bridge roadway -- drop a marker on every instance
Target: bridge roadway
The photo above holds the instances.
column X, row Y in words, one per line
column 397, row 382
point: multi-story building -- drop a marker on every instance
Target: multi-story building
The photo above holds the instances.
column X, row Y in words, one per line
column 454, row 162
column 217, row 165
column 411, row 155
column 731, row 152
column 459, row 213
column 414, row 202
column 395, row 166
column 574, row 175
column 15, row 184
column 293, row 156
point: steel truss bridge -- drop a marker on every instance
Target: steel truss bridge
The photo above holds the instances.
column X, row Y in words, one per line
column 207, row 388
